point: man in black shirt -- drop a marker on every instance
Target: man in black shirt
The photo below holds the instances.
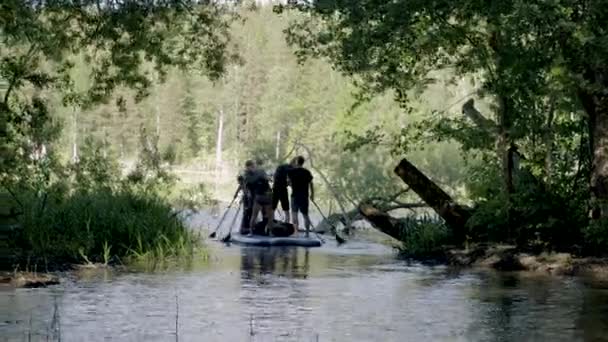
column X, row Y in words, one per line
column 279, row 189
column 301, row 181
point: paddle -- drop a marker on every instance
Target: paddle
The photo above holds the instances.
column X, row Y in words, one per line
column 212, row 235
column 339, row 239
column 227, row 237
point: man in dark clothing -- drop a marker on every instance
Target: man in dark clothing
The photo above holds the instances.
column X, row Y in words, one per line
column 247, row 199
column 301, row 181
column 259, row 186
column 279, row 189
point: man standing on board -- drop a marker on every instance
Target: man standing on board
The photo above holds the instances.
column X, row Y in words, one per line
column 279, row 189
column 247, row 199
column 301, row 181
column 259, row 186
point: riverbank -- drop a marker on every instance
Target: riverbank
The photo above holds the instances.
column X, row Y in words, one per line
column 506, row 258
column 28, row 279
column 499, row 258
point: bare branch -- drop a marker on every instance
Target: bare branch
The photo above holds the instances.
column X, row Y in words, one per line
column 389, row 199
column 469, row 110
column 16, row 76
column 10, row 191
column 401, row 205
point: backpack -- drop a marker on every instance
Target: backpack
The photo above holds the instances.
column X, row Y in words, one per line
column 262, row 186
column 258, row 183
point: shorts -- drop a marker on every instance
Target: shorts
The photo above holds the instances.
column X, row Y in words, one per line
column 246, row 220
column 264, row 199
column 280, row 195
column 299, row 204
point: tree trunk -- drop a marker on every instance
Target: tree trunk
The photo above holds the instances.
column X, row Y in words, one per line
column 503, row 145
column 596, row 107
column 454, row 215
column 278, row 147
column 157, row 110
column 74, row 136
column 548, row 141
column 218, row 147
column 469, row 110
column 599, row 163
column 381, row 221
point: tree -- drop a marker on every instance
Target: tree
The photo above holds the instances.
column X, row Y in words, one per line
column 41, row 37
column 527, row 53
column 192, row 120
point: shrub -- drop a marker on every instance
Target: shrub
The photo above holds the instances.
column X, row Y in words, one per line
column 424, row 236
column 596, row 238
column 84, row 225
column 95, row 216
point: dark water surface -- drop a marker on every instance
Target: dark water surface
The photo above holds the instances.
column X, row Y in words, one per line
column 357, row 292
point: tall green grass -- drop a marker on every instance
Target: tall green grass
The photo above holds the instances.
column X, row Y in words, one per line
column 105, row 226
column 423, row 235
column 88, row 212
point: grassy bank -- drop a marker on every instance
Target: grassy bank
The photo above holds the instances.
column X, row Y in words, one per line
column 103, row 226
column 99, row 226
column 427, row 239
column 88, row 212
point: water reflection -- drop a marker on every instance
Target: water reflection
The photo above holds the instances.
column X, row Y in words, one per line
column 275, row 294
column 290, row 262
column 592, row 321
column 296, row 294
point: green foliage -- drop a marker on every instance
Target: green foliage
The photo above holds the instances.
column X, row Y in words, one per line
column 430, row 56
column 95, row 169
column 42, row 42
column 192, row 197
column 82, row 224
column 199, row 125
column 170, row 154
column 150, row 168
column 538, row 69
column 596, row 237
column 365, row 173
column 535, row 213
column 97, row 216
column 188, row 110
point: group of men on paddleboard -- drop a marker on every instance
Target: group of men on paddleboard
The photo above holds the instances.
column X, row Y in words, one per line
column 260, row 196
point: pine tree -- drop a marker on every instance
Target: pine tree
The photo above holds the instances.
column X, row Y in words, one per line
column 192, row 118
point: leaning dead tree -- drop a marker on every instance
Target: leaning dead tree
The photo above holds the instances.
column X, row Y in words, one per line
column 454, row 214
column 433, row 196
column 381, row 220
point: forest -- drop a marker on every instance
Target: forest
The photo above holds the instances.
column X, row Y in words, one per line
column 117, row 115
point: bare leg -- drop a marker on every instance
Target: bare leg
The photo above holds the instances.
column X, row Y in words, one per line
column 294, row 220
column 270, row 215
column 307, row 223
column 254, row 216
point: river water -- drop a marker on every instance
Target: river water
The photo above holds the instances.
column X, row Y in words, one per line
column 359, row 291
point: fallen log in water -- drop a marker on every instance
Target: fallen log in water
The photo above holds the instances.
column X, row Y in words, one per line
column 381, row 220
column 454, row 214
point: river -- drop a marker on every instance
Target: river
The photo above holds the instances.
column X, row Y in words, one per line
column 359, row 291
